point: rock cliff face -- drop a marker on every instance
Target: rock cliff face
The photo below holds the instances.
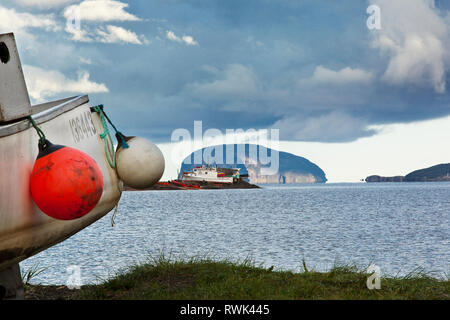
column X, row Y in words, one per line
column 281, row 178
column 440, row 172
column 285, row 168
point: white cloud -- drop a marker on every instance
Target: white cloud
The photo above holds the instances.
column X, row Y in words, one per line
column 415, row 36
column 419, row 60
column 185, row 39
column 19, row 22
column 45, row 4
column 114, row 34
column 343, row 76
column 101, row 11
column 79, row 35
column 171, row 36
column 189, row 41
column 43, row 84
column 110, row 34
column 97, row 12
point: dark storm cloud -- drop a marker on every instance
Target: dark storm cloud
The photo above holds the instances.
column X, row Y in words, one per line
column 310, row 68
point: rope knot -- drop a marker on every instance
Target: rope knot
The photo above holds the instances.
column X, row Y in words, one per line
column 106, row 134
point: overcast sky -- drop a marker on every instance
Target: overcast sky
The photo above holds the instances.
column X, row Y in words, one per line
column 311, row 68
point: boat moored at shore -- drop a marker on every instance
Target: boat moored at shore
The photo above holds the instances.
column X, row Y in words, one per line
column 211, row 175
column 25, row 229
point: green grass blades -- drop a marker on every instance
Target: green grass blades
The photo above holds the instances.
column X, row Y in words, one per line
column 204, row 279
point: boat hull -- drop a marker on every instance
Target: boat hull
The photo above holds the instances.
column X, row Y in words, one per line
column 24, row 229
column 188, row 179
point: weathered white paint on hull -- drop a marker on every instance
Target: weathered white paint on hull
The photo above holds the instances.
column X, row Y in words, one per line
column 24, row 229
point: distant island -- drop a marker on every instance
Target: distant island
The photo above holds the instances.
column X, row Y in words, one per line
column 291, row 169
column 440, row 172
column 385, row 179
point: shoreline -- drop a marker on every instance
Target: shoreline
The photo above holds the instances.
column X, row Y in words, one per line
column 205, row 279
column 171, row 185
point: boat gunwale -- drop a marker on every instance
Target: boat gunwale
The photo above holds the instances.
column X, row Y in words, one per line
column 45, row 115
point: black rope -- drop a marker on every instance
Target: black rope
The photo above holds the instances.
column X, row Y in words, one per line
column 42, row 138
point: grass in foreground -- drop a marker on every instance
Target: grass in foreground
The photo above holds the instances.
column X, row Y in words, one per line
column 204, row 279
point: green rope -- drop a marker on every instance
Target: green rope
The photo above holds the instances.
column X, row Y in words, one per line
column 118, row 133
column 42, row 138
column 105, row 136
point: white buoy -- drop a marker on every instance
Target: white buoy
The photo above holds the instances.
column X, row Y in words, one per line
column 141, row 165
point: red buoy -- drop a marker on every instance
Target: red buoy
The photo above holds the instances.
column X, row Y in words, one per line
column 66, row 183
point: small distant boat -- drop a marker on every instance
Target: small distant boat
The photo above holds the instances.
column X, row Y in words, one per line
column 209, row 174
column 185, row 185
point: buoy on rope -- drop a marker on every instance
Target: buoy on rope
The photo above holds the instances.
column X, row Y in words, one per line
column 66, row 183
column 138, row 162
column 141, row 164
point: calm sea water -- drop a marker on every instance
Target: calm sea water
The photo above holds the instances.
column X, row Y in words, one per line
column 399, row 227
